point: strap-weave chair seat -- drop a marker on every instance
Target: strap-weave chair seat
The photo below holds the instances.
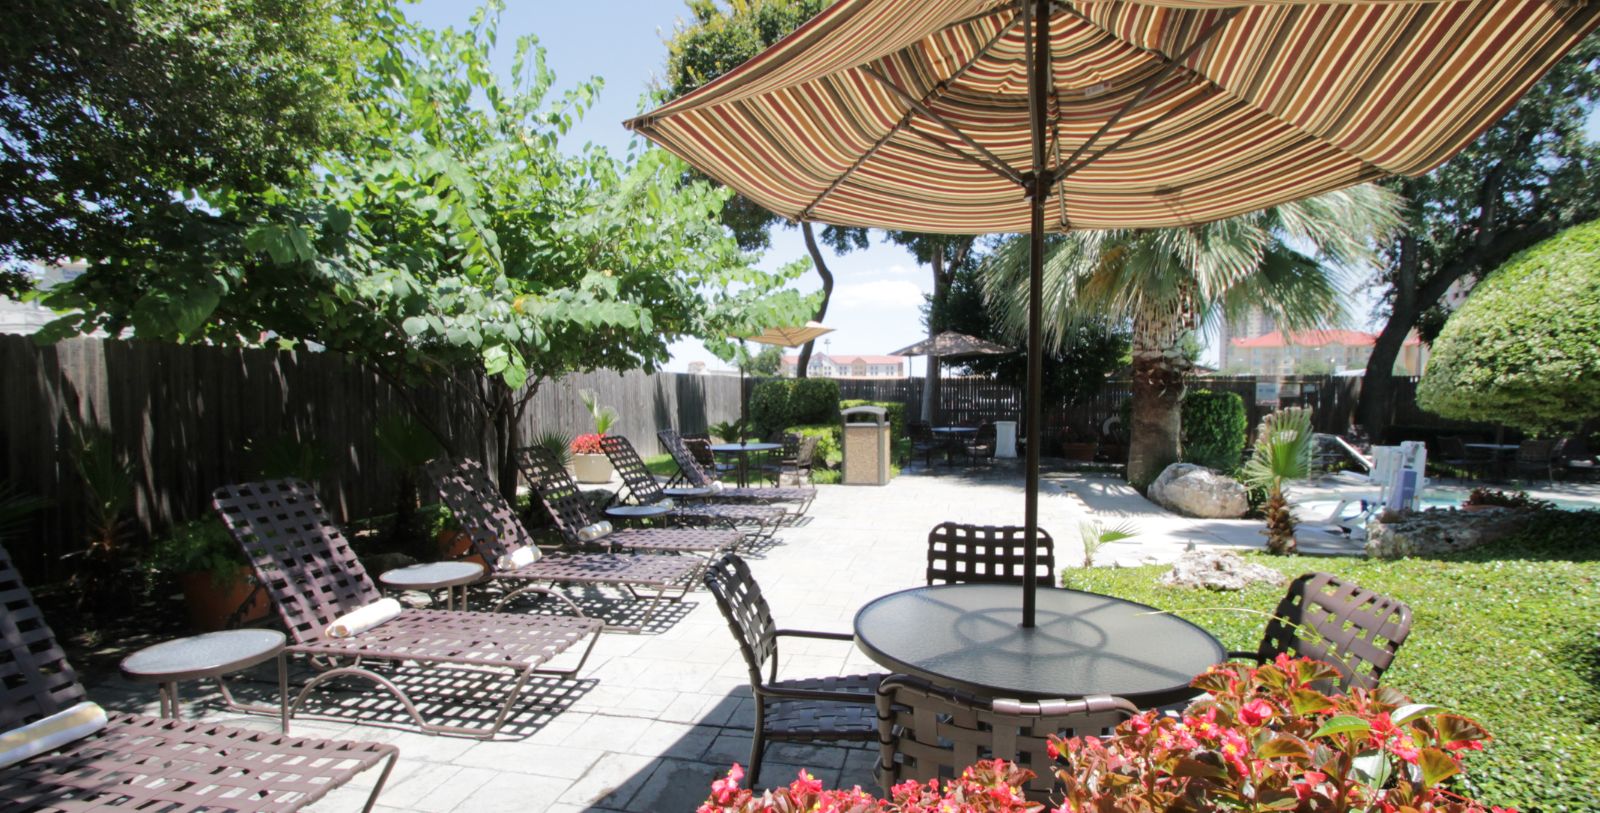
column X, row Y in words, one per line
column 673, row 540
column 148, row 763
column 470, row 638
column 1328, row 618
column 727, row 512
column 644, row 488
column 607, row 568
column 833, row 721
column 768, row 493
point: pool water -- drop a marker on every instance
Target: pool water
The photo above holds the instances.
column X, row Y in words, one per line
column 1318, row 510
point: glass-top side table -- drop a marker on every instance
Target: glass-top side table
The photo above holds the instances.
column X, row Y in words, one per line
column 211, row 655
column 434, row 576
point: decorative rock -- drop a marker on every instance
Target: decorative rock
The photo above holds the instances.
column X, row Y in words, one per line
column 1196, row 491
column 1218, row 570
column 1438, row 530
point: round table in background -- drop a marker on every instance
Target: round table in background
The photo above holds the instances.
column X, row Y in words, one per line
column 968, row 636
column 627, row 512
column 743, row 452
column 690, row 492
column 211, row 654
column 434, row 576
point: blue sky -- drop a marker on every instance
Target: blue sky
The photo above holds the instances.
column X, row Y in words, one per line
column 878, row 292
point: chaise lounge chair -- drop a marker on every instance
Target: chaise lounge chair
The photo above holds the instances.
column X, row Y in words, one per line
column 496, row 533
column 570, row 512
column 646, row 490
column 693, row 474
column 150, row 763
column 306, row 564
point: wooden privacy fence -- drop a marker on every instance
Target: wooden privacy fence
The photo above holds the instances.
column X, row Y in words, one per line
column 184, row 415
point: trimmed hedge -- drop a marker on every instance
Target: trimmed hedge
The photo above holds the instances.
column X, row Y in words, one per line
column 1504, row 633
column 896, row 410
column 830, row 446
column 1215, row 426
column 781, row 402
column 1525, row 347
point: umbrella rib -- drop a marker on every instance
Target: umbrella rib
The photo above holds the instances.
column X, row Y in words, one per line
column 997, row 164
column 805, row 214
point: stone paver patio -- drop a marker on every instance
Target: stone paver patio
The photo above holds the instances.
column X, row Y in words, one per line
column 653, row 718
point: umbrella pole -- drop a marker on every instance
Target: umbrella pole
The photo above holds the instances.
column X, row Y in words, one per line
column 1039, row 185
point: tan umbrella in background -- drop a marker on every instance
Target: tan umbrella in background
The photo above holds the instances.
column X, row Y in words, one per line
column 779, row 337
column 977, row 116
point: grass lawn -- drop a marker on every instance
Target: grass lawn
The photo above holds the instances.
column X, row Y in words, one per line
column 661, row 465
column 1508, row 634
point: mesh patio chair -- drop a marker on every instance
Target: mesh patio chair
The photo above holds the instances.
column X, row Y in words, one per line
column 150, row 763
column 1329, row 619
column 931, row 732
column 313, row 577
column 986, row 554
column 980, row 447
column 570, row 512
column 796, row 710
column 1453, row 451
column 692, row 473
column 643, row 487
column 1536, row 457
column 923, row 442
column 491, row 524
column 699, row 444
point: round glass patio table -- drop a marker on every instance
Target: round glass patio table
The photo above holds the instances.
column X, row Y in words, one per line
column 211, row 655
column 968, row 636
column 743, row 452
column 626, row 512
column 434, row 576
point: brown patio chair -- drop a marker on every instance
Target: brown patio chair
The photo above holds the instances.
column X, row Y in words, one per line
column 570, row 512
column 1538, row 456
column 923, row 442
column 1329, row 619
column 305, row 562
column 795, row 710
column 150, row 763
column 491, row 524
column 691, row 473
column 931, row 732
column 967, row 554
column 980, row 447
column 1453, row 451
column 643, row 487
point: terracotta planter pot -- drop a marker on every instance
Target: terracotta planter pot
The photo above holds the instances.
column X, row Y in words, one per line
column 592, row 468
column 1078, row 451
column 215, row 604
column 456, row 546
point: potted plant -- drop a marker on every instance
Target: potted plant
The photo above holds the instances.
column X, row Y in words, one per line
column 1485, row 498
column 589, row 463
column 218, row 589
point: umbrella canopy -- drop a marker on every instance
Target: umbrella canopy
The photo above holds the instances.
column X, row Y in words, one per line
column 790, row 336
column 951, row 344
column 977, row 116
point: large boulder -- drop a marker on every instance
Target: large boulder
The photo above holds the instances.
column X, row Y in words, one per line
column 1439, row 530
column 1196, row 491
column 1218, row 570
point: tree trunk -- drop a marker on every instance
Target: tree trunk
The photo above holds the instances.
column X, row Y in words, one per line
column 1155, row 420
column 803, row 365
column 1377, row 383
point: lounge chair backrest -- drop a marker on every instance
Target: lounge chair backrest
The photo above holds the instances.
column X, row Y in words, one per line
column 748, row 615
column 1537, row 452
column 806, row 456
column 35, row 679
column 556, row 489
column 986, row 554
column 692, row 472
column 297, row 553
column 635, row 474
column 1329, row 619
column 932, row 732
column 488, row 519
column 699, row 445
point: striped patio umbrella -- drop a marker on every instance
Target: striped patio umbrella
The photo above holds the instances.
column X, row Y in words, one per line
column 978, row 116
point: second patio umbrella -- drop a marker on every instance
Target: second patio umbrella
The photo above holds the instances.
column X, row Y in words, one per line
column 948, row 344
column 977, row 116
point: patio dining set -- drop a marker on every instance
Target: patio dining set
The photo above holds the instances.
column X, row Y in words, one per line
column 953, row 649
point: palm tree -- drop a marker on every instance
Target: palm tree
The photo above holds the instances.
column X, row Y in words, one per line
column 1169, row 283
column 1282, row 453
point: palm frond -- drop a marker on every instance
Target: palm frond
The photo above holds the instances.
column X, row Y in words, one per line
column 1282, row 451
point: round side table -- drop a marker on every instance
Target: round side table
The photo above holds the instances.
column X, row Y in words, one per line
column 434, row 576
column 689, row 492
column 624, row 513
column 213, row 654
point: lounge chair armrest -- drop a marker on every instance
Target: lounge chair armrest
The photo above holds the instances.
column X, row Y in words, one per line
column 533, row 588
column 830, row 636
column 817, row 694
column 1243, row 656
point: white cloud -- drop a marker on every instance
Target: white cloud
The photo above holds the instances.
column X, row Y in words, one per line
column 897, row 270
column 881, row 294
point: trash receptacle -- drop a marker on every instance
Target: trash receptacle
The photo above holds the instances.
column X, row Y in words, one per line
column 867, row 443
column 1005, row 439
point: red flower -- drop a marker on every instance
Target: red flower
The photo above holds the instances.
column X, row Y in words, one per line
column 587, row 444
column 723, row 790
column 1310, row 780
column 1464, row 745
column 1256, row 712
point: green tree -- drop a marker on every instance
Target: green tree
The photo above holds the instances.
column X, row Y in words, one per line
column 455, row 245
column 1165, row 283
column 1525, row 347
column 117, row 114
column 1526, row 178
column 766, row 361
column 1282, row 453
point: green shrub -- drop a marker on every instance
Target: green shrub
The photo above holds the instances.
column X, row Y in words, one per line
column 1501, row 633
column 814, row 401
column 1525, row 347
column 769, row 409
column 1214, row 429
column 830, row 443
column 198, row 546
column 896, row 410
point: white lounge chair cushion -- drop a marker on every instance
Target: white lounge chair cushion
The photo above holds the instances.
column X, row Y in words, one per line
column 365, row 618
column 521, row 557
column 50, row 733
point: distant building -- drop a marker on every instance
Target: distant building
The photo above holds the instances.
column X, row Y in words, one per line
column 1316, row 351
column 697, row 367
column 825, row 365
column 29, row 317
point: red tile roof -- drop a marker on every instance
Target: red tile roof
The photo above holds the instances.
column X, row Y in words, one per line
column 846, row 360
column 1317, row 338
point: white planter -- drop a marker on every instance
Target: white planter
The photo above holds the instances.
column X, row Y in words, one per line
column 592, row 468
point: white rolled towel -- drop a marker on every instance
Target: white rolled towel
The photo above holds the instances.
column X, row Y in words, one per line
column 666, row 503
column 590, row 533
column 521, row 557
column 51, row 732
column 716, row 486
column 360, row 620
